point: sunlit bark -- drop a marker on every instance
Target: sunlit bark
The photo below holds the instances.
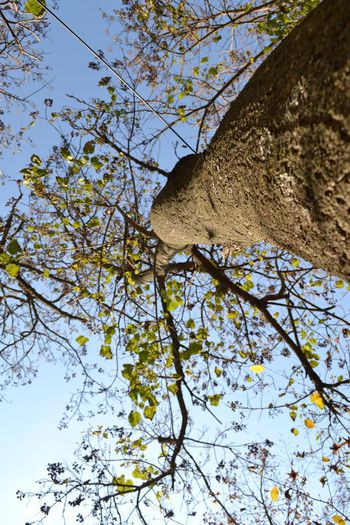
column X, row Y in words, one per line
column 278, row 167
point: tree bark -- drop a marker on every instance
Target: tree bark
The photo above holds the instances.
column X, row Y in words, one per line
column 278, row 167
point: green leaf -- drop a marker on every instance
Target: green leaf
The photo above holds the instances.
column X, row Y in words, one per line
column 293, row 415
column 75, row 169
column 134, row 418
column 127, row 371
column 81, row 340
column 62, row 181
column 96, row 163
column 4, row 258
column 89, row 147
column 124, row 485
column 194, row 348
column 213, row 71
column 13, row 248
column 190, row 324
column 34, row 8
column 339, row 284
column 40, row 172
column 137, row 473
column 106, row 352
column 12, row 269
column 109, row 331
column 66, row 154
column 215, row 400
column 314, row 363
column 27, row 171
column 173, row 388
column 149, row 412
column 36, row 160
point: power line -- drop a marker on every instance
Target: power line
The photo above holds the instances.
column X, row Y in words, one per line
column 122, row 80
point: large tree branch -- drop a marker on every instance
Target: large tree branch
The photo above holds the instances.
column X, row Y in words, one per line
column 175, row 349
column 260, row 304
column 277, row 169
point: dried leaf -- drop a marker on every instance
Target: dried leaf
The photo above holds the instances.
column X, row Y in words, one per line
column 338, row 520
column 274, row 493
column 317, row 400
column 257, row 369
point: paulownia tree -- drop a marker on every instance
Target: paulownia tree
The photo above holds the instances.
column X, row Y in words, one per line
column 208, row 342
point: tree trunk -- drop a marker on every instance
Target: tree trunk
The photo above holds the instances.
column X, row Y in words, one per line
column 278, row 167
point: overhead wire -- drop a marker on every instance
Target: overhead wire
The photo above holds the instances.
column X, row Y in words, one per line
column 115, row 73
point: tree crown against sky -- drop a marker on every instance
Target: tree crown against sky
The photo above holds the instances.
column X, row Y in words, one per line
column 214, row 336
column 22, row 34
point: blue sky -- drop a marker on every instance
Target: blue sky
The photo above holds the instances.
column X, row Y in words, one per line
column 29, row 437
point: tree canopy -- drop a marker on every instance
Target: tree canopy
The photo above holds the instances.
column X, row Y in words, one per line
column 198, row 355
column 23, row 27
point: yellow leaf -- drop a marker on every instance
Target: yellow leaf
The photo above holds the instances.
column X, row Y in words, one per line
column 309, row 423
column 338, row 520
column 257, row 369
column 317, row 399
column 325, row 459
column 274, row 493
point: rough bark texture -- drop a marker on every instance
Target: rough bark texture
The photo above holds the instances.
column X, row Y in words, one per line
column 278, row 167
